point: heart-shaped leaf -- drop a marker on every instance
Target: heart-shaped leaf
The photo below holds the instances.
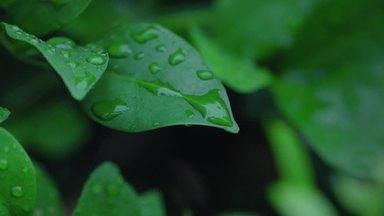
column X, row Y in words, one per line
column 237, row 72
column 17, row 174
column 79, row 67
column 156, row 79
column 41, row 16
column 106, row 193
column 4, row 114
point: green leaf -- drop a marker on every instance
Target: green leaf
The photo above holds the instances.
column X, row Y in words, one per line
column 4, row 114
column 90, row 25
column 291, row 199
column 152, row 204
column 79, row 67
column 41, row 17
column 153, row 81
column 290, row 155
column 106, row 193
column 60, row 119
column 48, row 200
column 237, row 72
column 258, row 28
column 17, row 174
column 359, row 197
column 335, row 95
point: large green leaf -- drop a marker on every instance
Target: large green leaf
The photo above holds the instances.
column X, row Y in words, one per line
column 156, row 79
column 4, row 114
column 259, row 27
column 60, row 119
column 79, row 67
column 106, row 193
column 48, row 200
column 152, row 204
column 41, row 16
column 236, row 71
column 17, row 174
column 334, row 96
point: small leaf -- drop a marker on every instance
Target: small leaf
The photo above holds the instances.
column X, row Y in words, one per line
column 4, row 114
column 152, row 204
column 106, row 193
column 153, row 82
column 48, row 200
column 60, row 119
column 41, row 17
column 79, row 67
column 17, row 174
column 237, row 72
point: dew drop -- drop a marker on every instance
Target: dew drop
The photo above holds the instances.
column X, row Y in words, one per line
column 84, row 80
column 204, row 74
column 61, row 43
column 96, row 60
column 189, row 113
column 3, row 164
column 154, row 68
column 156, row 124
column 119, row 50
column 139, row 56
column 17, row 191
column 96, row 48
column 146, row 35
column 65, row 54
column 177, row 57
column 109, row 109
column 161, row 48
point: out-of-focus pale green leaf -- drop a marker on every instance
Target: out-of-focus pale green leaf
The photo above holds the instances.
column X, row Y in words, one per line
column 258, row 27
column 237, row 72
column 291, row 199
column 54, row 130
column 79, row 67
column 42, row 16
column 333, row 88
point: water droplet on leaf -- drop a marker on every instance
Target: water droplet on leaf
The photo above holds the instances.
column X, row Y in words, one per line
column 96, row 60
column 139, row 56
column 3, row 164
column 204, row 74
column 109, row 109
column 17, row 191
column 84, row 80
column 154, row 68
column 61, row 43
column 119, row 50
column 177, row 57
column 146, row 35
column 161, row 48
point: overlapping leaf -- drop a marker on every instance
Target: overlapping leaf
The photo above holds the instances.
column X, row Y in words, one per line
column 156, row 79
column 79, row 67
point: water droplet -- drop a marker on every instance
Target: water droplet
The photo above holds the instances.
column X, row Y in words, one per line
column 154, row 68
column 96, row 60
column 65, row 54
column 146, row 35
column 25, row 169
column 96, row 48
column 113, row 190
column 96, row 189
column 177, row 57
column 3, row 164
column 72, row 64
column 119, row 50
column 210, row 105
column 156, row 124
column 161, row 48
column 189, row 113
column 17, row 191
column 84, row 80
column 61, row 43
column 109, row 109
column 139, row 56
column 204, row 74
